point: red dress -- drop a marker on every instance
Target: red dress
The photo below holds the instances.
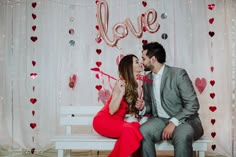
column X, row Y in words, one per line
column 127, row 133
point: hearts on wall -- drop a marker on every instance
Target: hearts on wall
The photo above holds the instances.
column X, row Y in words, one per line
column 33, row 75
column 200, row 84
column 212, row 108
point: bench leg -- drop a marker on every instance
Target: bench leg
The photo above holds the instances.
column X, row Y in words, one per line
column 60, row 153
column 67, row 153
column 201, row 154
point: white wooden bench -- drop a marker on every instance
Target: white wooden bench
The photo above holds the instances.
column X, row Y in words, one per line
column 82, row 116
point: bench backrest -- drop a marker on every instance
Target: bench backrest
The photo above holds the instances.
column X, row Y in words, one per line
column 77, row 115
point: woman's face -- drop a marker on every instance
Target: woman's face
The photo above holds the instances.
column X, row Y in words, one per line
column 137, row 66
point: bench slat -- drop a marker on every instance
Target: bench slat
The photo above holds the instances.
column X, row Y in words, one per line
column 76, row 121
column 88, row 109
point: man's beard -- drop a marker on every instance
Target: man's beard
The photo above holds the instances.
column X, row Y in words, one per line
column 147, row 68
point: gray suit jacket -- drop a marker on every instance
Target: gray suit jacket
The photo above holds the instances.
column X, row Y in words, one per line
column 178, row 97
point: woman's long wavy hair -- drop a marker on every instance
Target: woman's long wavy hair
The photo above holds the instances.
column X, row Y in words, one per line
column 126, row 73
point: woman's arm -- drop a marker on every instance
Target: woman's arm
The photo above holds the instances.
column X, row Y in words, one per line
column 117, row 95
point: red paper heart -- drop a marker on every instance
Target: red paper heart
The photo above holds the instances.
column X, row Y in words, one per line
column 33, row 63
column 212, row 69
column 34, row 38
column 144, row 29
column 98, row 87
column 212, row 82
column 211, row 33
column 212, row 95
column 99, row 51
column 213, row 134
column 97, row 27
column 33, row 112
column 98, row 64
column 32, row 150
column 34, row 16
column 211, row 20
column 97, row 76
column 34, row 4
column 144, row 3
column 33, row 125
column 98, row 40
column 104, row 95
column 213, row 121
column 144, row 41
column 95, row 69
column 200, row 84
column 33, row 100
column 34, row 28
column 213, row 147
column 33, row 75
column 118, row 58
column 212, row 108
column 211, row 6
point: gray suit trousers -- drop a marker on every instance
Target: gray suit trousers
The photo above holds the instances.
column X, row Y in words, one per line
column 182, row 139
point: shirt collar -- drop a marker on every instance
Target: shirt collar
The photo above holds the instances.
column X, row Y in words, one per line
column 160, row 72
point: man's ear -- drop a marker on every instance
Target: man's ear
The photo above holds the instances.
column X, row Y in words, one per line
column 153, row 59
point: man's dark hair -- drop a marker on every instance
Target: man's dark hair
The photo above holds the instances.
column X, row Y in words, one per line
column 157, row 50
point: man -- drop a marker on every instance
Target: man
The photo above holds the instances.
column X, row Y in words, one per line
column 172, row 102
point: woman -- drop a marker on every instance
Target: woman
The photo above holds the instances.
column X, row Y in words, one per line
column 110, row 121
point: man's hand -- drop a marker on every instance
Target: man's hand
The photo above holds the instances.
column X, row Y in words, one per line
column 139, row 104
column 168, row 131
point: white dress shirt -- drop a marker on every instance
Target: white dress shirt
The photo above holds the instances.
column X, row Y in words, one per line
column 156, row 89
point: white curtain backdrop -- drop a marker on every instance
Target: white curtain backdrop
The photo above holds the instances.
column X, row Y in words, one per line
column 39, row 71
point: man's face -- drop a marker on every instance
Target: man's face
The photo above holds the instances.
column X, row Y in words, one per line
column 146, row 61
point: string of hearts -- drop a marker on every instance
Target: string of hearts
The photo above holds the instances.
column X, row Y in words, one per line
column 212, row 82
column 33, row 75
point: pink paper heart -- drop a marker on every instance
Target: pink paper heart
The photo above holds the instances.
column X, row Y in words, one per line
column 97, row 27
column 118, row 58
column 211, row 20
column 200, row 84
column 104, row 95
column 211, row 6
column 98, row 40
column 33, row 75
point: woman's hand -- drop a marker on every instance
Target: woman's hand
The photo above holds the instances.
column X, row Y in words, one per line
column 117, row 95
column 119, row 88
